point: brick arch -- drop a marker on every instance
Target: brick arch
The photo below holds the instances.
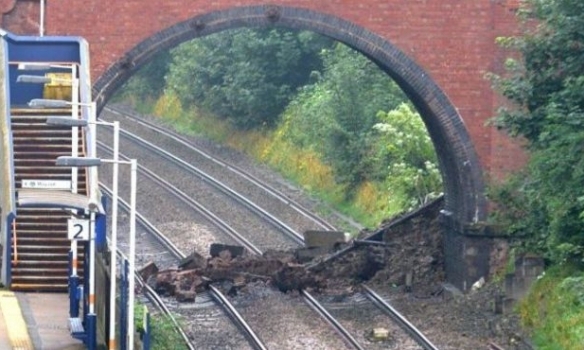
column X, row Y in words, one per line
column 459, row 164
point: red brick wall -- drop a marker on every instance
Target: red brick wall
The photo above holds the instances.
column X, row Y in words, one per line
column 453, row 40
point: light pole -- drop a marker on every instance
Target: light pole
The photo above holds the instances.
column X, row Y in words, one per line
column 42, row 19
column 94, row 162
column 64, row 121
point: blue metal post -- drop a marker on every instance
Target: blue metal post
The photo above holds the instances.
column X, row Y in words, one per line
column 90, row 320
column 101, row 229
column 146, row 334
column 86, row 283
column 91, row 323
column 73, row 292
column 124, row 305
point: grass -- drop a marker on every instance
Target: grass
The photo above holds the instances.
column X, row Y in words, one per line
column 554, row 310
column 163, row 334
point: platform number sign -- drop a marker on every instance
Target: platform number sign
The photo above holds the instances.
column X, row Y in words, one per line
column 78, row 229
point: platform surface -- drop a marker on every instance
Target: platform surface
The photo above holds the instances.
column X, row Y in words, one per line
column 35, row 321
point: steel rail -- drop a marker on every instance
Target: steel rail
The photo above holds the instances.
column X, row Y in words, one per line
column 193, row 204
column 177, row 253
column 316, row 306
column 297, row 237
column 311, row 301
column 159, row 303
column 234, row 314
column 494, row 346
column 399, row 319
column 235, row 169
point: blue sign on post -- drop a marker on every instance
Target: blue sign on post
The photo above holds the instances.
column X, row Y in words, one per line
column 101, row 227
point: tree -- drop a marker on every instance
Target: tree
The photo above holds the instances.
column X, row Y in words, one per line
column 546, row 202
column 246, row 76
column 335, row 115
column 341, row 117
column 148, row 82
column 412, row 175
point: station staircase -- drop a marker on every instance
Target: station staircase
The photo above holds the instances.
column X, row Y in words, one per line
column 40, row 246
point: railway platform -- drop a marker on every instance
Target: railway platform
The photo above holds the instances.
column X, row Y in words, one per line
column 35, row 321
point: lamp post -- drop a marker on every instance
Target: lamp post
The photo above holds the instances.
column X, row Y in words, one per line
column 94, row 162
column 91, row 315
column 42, row 19
column 64, row 121
column 49, row 103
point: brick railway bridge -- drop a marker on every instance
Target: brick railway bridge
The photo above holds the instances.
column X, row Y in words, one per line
column 437, row 51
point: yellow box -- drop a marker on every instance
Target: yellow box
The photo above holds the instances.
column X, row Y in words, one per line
column 59, row 88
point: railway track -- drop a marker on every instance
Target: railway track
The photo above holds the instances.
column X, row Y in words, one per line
column 156, row 239
column 178, row 254
column 246, row 217
column 274, row 221
column 225, row 171
column 158, row 303
column 409, row 328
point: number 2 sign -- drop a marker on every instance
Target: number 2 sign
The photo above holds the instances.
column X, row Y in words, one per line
column 78, row 229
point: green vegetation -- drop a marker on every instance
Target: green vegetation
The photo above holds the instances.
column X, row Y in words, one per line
column 543, row 206
column 246, row 76
column 162, row 331
column 555, row 309
column 322, row 114
column 340, row 110
column 146, row 86
column 545, row 203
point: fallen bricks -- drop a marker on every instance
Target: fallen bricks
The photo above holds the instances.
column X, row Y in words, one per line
column 194, row 273
column 286, row 271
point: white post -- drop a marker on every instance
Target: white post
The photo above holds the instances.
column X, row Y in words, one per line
column 134, row 166
column 114, row 239
column 94, row 194
column 74, row 153
column 91, row 310
column 42, row 19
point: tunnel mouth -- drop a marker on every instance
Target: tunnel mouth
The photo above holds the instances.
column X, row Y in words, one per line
column 462, row 175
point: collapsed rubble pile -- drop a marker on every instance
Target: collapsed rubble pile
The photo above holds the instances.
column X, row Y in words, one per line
column 404, row 258
column 328, row 263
